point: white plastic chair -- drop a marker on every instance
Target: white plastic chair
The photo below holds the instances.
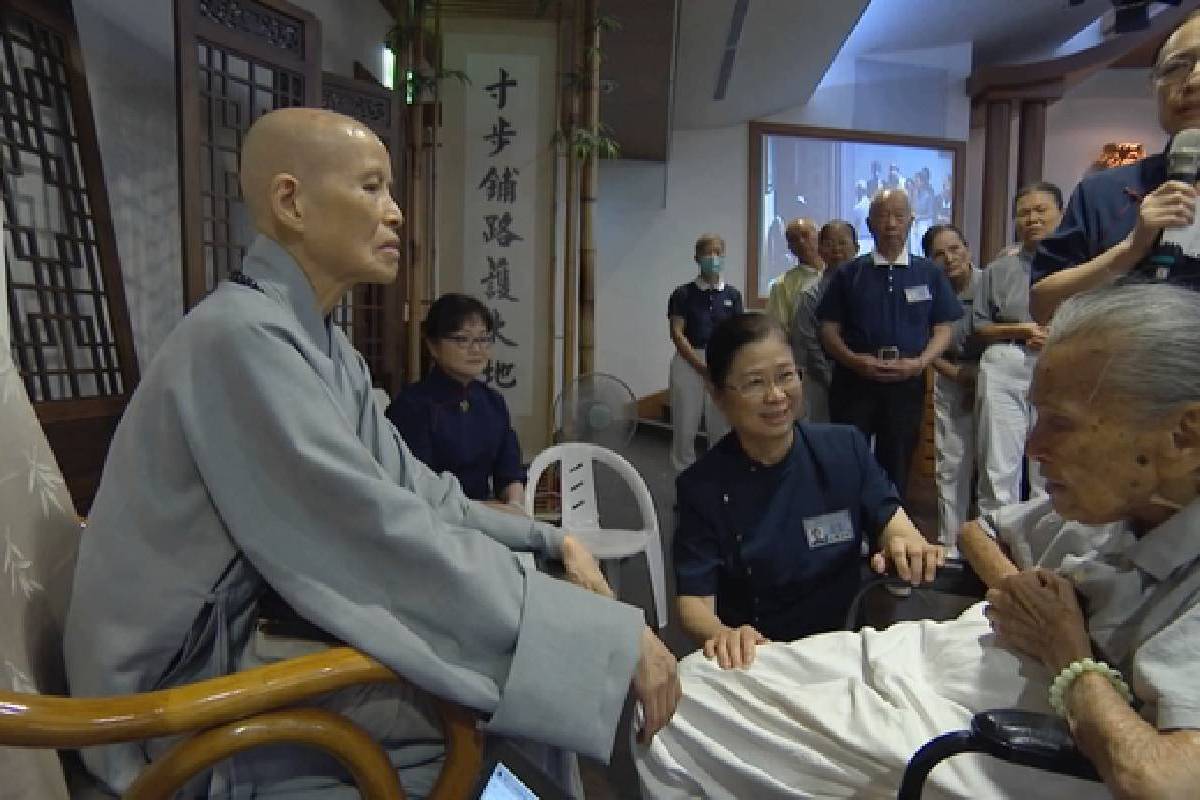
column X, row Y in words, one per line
column 581, row 515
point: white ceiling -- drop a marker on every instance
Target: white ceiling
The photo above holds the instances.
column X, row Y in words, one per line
column 787, row 45
column 785, row 48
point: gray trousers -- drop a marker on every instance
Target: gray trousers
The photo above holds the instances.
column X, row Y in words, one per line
column 691, row 402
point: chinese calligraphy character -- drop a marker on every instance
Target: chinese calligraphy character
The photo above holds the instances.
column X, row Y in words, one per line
column 500, row 188
column 501, row 135
column 498, row 280
column 498, row 324
column 499, row 89
column 498, row 229
column 500, row 373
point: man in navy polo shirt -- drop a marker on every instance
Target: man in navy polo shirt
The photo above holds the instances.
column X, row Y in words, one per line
column 884, row 318
column 1114, row 217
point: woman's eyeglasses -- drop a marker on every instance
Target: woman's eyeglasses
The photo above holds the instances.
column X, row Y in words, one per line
column 464, row 342
column 759, row 385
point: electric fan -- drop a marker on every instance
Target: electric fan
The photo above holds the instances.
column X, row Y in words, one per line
column 597, row 408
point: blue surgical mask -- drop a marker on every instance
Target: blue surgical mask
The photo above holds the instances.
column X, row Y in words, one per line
column 711, row 264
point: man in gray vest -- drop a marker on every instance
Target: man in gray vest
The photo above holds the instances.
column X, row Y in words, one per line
column 252, row 456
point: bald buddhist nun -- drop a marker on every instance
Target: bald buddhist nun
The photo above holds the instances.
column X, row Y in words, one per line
column 252, row 457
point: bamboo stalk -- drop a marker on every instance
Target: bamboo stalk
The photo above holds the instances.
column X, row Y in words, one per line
column 434, row 145
column 571, row 220
column 560, row 52
column 588, row 190
column 415, row 197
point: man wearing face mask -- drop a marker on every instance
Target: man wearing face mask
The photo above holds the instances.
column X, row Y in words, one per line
column 694, row 310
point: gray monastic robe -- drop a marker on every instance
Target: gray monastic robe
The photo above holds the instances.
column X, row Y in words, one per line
column 252, row 453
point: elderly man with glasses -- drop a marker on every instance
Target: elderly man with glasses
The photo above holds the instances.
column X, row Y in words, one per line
column 1113, row 220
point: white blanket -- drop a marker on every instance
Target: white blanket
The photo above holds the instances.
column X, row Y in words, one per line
column 839, row 715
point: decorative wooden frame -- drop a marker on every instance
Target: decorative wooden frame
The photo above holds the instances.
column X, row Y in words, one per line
column 72, row 339
column 263, row 36
column 758, row 133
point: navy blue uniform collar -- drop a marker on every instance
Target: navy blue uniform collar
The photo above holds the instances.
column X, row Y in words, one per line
column 731, row 448
column 444, row 385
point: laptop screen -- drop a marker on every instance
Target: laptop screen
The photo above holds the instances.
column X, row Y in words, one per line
column 502, row 784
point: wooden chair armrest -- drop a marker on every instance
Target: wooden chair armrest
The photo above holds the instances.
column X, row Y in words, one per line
column 364, row 759
column 32, row 720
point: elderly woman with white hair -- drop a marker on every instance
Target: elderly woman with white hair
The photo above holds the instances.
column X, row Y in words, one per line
column 1093, row 611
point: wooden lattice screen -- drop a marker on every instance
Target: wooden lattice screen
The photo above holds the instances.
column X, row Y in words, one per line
column 372, row 314
column 237, row 59
column 71, row 339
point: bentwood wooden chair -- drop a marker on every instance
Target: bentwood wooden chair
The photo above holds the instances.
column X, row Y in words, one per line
column 39, row 536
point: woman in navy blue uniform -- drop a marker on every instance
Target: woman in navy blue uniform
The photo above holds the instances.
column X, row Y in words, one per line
column 772, row 521
column 694, row 309
column 451, row 420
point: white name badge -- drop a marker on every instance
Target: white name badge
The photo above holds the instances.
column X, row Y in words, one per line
column 916, row 294
column 729, row 304
column 828, row 529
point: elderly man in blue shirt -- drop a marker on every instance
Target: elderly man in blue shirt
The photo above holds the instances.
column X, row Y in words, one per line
column 884, row 319
column 1115, row 218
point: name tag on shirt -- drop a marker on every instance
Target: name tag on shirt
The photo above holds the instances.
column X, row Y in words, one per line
column 728, row 303
column 828, row 529
column 916, row 294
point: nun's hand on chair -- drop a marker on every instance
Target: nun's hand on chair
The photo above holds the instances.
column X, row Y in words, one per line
column 911, row 555
column 582, row 568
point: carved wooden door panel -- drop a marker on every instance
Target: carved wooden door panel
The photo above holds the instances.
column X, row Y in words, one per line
column 71, row 339
column 236, row 60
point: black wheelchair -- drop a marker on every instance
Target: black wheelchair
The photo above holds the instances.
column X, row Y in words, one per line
column 1040, row 741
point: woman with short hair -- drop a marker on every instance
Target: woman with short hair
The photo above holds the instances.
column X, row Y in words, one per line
column 450, row 419
column 773, row 519
column 954, row 375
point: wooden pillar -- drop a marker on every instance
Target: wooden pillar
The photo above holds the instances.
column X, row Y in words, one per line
column 569, row 122
column 588, row 189
column 1031, row 142
column 414, row 196
column 993, row 230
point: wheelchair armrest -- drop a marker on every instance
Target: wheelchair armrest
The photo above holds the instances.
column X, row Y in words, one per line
column 957, row 577
column 1033, row 739
column 954, row 577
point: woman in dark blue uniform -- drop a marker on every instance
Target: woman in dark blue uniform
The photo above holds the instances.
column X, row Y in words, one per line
column 772, row 520
column 449, row 419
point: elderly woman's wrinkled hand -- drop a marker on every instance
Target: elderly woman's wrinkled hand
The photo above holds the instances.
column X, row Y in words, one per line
column 733, row 648
column 912, row 556
column 581, row 568
column 1037, row 612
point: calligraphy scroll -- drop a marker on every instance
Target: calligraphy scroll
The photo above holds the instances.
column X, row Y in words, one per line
column 500, row 190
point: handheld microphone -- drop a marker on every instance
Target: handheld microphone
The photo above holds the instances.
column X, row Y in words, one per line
column 1183, row 159
column 1183, row 164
